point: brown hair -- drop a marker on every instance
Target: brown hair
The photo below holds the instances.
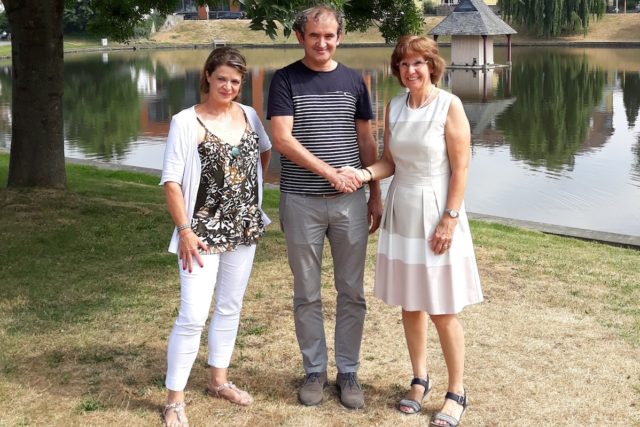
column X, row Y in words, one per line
column 222, row 56
column 314, row 13
column 422, row 46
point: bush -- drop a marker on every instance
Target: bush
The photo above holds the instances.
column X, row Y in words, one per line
column 429, row 8
column 76, row 16
column 4, row 22
column 143, row 30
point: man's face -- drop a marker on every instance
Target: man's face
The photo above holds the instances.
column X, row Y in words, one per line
column 320, row 40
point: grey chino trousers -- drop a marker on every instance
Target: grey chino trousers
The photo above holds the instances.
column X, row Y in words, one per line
column 306, row 220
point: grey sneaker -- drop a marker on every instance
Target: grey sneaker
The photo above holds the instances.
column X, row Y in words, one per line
column 350, row 392
column 311, row 392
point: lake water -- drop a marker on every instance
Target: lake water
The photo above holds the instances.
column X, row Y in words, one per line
column 556, row 138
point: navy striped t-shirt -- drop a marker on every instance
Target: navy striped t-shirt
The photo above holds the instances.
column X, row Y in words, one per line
column 324, row 106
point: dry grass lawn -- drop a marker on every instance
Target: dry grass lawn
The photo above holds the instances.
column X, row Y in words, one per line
column 83, row 327
column 88, row 296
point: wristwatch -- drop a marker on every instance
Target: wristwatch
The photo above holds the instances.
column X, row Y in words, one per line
column 452, row 213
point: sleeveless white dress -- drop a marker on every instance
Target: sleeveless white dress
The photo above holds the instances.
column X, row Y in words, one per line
column 408, row 272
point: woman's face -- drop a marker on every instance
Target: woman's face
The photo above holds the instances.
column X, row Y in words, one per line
column 414, row 71
column 224, row 83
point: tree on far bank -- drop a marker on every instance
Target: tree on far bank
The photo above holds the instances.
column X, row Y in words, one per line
column 393, row 18
column 550, row 18
column 37, row 140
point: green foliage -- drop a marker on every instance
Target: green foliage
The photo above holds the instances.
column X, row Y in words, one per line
column 91, row 404
column 631, row 96
column 133, row 19
column 118, row 19
column 556, row 96
column 4, row 22
column 394, row 18
column 429, row 7
column 143, row 29
column 101, row 106
column 266, row 14
column 77, row 15
column 550, row 18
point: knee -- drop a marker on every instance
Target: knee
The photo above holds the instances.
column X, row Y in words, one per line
column 307, row 300
column 414, row 316
column 351, row 295
column 228, row 308
column 445, row 322
column 188, row 323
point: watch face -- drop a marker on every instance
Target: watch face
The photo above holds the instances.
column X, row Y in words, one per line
column 453, row 213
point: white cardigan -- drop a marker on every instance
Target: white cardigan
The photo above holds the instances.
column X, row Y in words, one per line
column 182, row 161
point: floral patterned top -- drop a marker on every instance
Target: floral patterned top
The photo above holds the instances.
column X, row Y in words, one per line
column 226, row 212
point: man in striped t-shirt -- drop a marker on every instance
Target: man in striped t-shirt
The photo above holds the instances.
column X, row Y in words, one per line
column 320, row 115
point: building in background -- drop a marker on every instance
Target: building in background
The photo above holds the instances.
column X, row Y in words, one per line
column 472, row 26
column 191, row 10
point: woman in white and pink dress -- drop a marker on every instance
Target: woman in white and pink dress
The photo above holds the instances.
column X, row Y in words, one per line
column 426, row 262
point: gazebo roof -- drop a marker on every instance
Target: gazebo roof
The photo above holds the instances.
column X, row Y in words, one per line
column 472, row 18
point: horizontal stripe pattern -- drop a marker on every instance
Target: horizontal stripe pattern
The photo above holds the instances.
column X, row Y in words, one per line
column 325, row 125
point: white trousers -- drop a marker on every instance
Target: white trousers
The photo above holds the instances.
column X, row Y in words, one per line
column 227, row 274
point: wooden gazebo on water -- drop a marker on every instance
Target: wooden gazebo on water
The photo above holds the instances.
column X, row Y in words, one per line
column 472, row 26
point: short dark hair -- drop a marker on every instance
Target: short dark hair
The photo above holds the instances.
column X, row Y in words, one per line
column 314, row 13
column 228, row 56
column 423, row 46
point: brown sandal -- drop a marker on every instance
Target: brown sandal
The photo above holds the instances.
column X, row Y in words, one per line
column 243, row 398
column 178, row 408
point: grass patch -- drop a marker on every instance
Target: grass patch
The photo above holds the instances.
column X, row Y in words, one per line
column 71, row 42
column 88, row 296
column 91, row 405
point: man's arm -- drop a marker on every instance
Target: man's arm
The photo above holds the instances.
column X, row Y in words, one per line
column 368, row 156
column 287, row 145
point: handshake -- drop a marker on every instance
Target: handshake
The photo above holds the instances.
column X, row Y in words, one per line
column 349, row 179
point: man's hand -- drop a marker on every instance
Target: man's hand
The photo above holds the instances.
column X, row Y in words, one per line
column 345, row 180
column 352, row 175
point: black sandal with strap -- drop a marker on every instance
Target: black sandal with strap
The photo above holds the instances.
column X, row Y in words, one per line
column 448, row 419
column 414, row 405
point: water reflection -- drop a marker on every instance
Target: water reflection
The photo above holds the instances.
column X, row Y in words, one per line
column 537, row 108
column 631, row 95
column 101, row 105
column 555, row 137
column 556, row 99
column 482, row 101
column 635, row 167
column 5, row 106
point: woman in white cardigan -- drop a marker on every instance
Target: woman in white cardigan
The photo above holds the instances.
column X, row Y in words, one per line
column 212, row 176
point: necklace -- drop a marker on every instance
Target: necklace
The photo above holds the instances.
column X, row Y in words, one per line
column 426, row 100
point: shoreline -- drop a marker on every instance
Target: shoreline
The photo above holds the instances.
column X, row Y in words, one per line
column 614, row 239
column 555, row 43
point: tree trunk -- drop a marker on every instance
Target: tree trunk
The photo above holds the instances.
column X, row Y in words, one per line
column 37, row 141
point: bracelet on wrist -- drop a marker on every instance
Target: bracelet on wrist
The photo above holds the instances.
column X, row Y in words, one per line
column 183, row 227
column 369, row 172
